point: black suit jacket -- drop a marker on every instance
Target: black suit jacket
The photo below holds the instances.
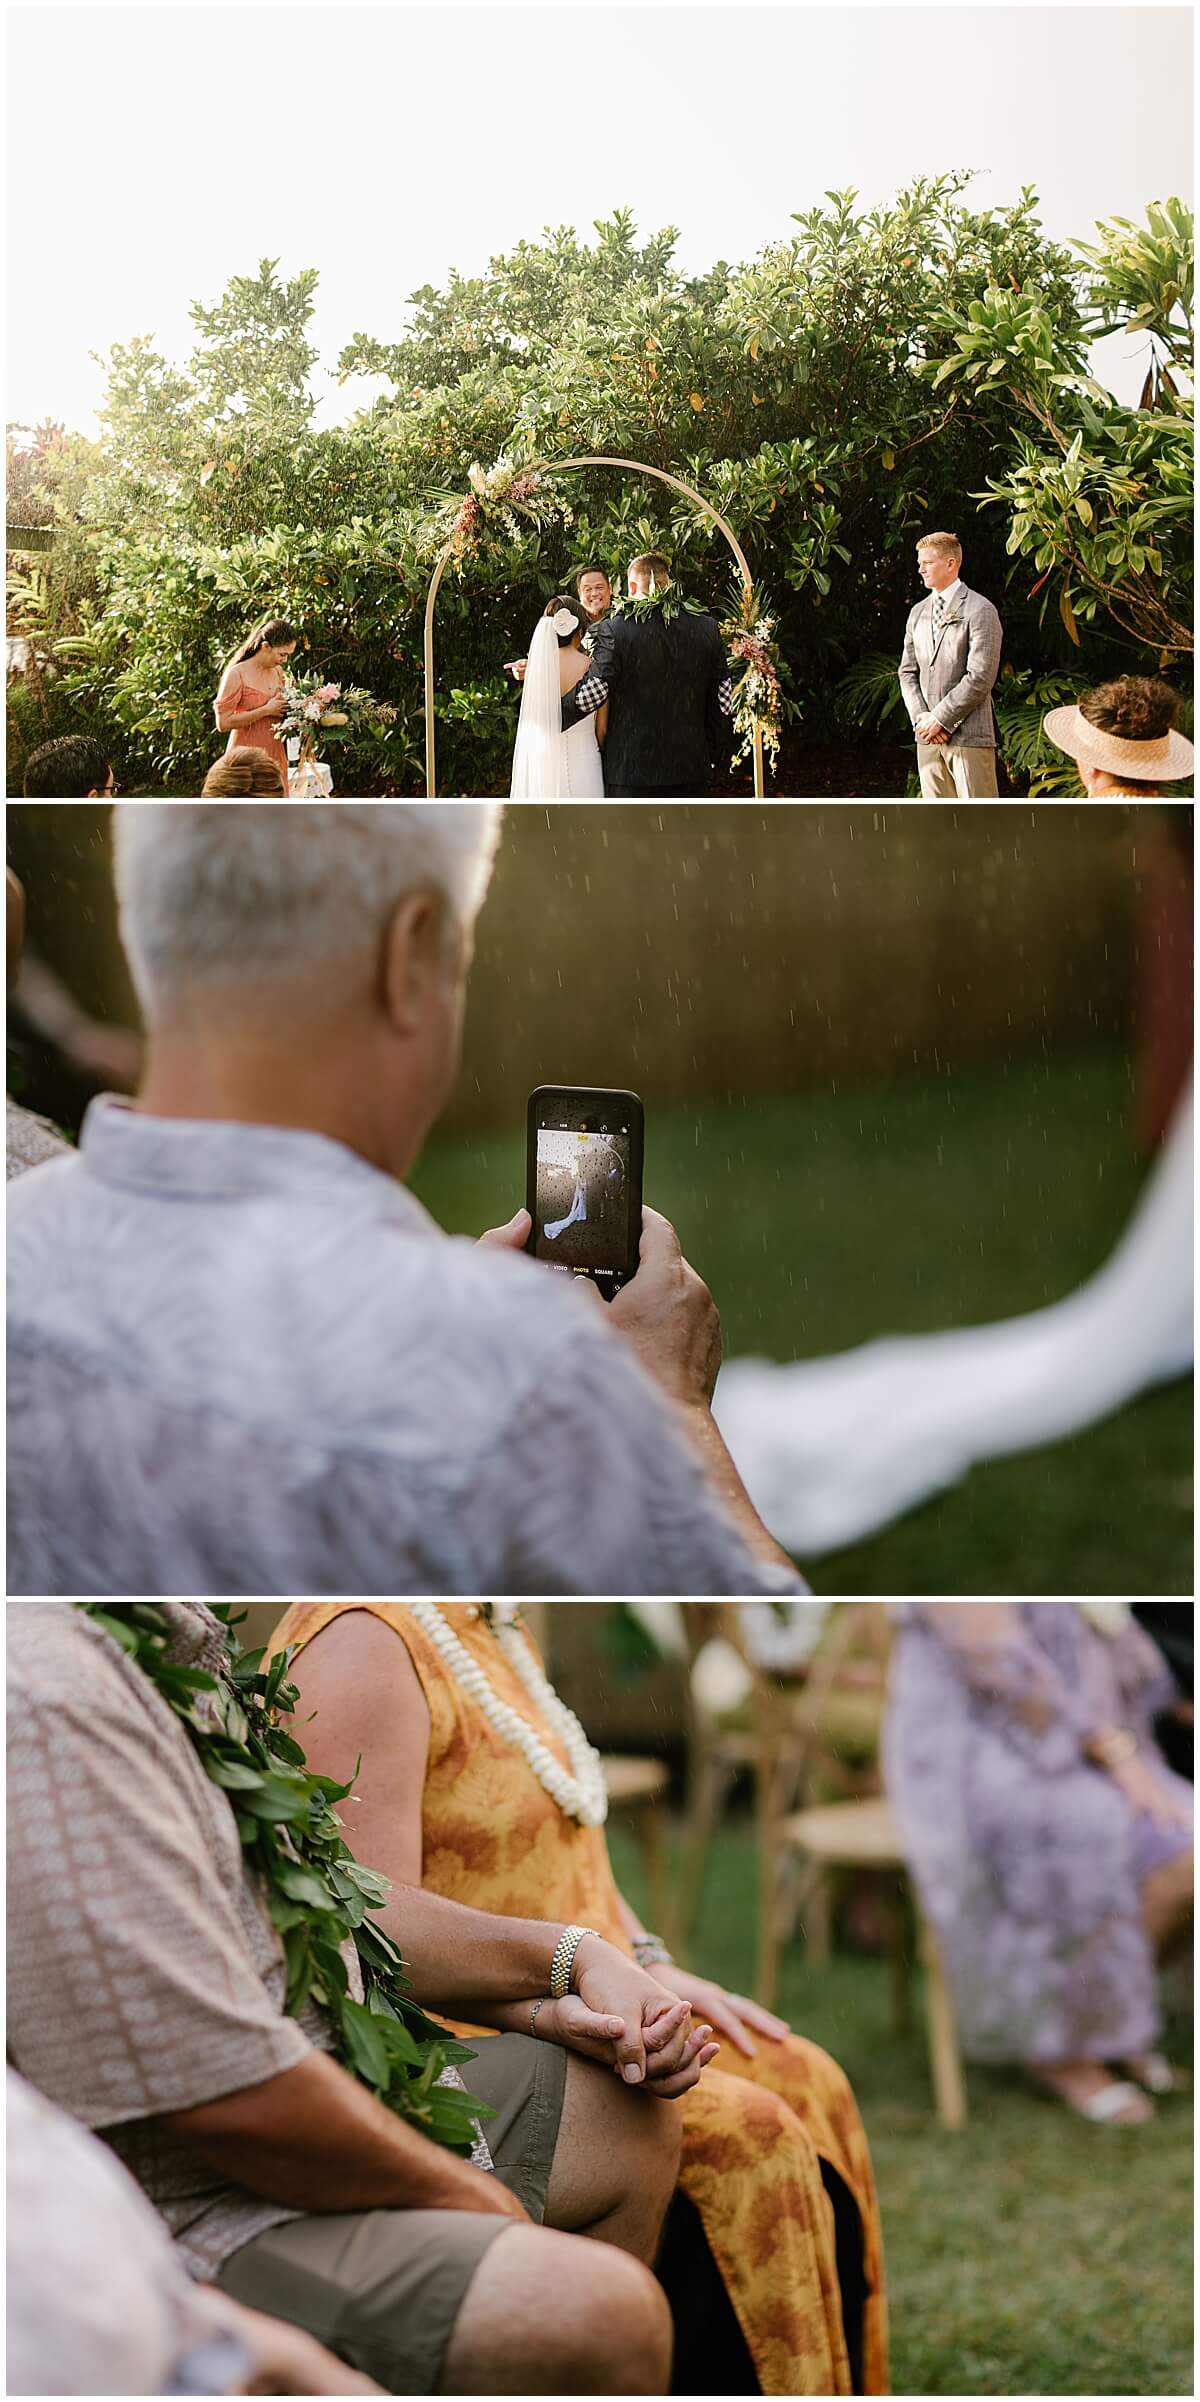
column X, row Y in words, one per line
column 670, row 702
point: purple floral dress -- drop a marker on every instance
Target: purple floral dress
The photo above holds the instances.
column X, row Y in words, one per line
column 1027, row 1857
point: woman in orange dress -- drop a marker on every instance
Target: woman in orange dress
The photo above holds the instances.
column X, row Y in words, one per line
column 250, row 693
column 488, row 1815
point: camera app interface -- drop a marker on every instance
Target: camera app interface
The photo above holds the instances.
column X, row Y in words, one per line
column 582, row 1215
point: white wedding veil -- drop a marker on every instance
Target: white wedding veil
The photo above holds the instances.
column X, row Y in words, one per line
column 537, row 757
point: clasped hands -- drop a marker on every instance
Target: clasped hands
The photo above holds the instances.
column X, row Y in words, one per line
column 930, row 730
column 648, row 2034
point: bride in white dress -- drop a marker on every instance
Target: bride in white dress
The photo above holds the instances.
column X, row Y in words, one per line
column 549, row 765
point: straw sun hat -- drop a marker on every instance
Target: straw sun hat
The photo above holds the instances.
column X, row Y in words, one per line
column 1162, row 759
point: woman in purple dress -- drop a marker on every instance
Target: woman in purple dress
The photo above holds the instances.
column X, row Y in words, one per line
column 1050, row 1843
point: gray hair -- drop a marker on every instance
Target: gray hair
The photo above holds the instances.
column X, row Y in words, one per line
column 229, row 889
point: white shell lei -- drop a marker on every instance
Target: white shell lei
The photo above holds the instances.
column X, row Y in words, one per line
column 580, row 1793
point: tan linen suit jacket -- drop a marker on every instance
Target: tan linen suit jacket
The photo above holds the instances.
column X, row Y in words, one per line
column 952, row 674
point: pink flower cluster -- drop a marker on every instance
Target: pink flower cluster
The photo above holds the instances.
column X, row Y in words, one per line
column 757, row 657
column 329, row 692
column 466, row 524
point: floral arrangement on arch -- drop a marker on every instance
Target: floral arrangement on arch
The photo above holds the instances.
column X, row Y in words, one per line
column 312, row 704
column 757, row 697
column 511, row 494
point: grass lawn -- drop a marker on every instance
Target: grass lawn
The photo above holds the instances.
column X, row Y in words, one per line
column 823, row 1219
column 1030, row 2254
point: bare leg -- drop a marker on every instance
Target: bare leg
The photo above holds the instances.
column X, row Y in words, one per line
column 1167, row 1910
column 615, row 2163
column 1167, row 1897
column 550, row 2314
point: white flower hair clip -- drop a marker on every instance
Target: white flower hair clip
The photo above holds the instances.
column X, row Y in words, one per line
column 564, row 621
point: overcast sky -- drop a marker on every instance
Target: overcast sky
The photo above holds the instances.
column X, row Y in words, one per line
column 155, row 151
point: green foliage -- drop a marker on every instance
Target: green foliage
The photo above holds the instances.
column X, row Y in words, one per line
column 254, row 359
column 1144, row 282
column 1099, row 499
column 869, row 696
column 317, row 1894
column 834, row 397
column 1035, row 765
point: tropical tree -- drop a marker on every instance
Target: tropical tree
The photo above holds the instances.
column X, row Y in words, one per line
column 1099, row 497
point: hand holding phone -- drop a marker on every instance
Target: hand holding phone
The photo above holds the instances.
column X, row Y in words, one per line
column 670, row 1318
column 584, row 1182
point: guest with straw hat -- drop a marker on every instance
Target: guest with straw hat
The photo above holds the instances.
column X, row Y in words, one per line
column 1122, row 737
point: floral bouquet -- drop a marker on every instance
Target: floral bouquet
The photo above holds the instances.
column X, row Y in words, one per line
column 506, row 493
column 757, row 698
column 311, row 703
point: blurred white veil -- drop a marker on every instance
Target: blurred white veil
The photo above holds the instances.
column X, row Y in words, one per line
column 537, row 769
column 832, row 1449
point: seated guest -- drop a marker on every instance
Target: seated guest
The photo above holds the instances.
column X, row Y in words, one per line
column 99, row 2301
column 1122, row 737
column 147, row 1996
column 243, row 774
column 74, row 768
column 475, row 1781
column 1051, row 1844
column 228, row 1307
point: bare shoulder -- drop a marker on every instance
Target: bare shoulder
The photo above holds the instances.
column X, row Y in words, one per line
column 357, row 1664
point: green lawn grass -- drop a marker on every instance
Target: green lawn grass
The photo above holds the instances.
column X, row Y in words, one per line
column 1029, row 2254
column 824, row 1219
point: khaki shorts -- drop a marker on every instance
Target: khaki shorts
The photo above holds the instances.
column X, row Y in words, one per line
column 383, row 2288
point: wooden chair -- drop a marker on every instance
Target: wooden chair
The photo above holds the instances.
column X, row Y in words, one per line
column 864, row 1834
column 639, row 1788
column 760, row 1740
column 788, row 1743
column 780, row 1737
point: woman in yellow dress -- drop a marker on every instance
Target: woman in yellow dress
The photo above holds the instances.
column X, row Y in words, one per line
column 478, row 1785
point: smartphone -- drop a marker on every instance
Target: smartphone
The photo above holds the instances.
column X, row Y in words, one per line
column 583, row 1182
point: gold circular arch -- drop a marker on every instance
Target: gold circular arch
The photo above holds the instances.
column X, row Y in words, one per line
column 560, row 467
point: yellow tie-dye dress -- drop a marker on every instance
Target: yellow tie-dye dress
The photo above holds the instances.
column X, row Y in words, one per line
column 754, row 2130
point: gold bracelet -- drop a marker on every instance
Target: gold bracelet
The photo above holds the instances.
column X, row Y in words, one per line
column 563, row 1958
column 533, row 2013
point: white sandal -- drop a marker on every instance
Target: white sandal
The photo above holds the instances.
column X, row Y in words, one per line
column 1104, row 2106
column 1158, row 2075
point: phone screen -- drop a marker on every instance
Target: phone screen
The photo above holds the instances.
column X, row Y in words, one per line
column 586, row 1184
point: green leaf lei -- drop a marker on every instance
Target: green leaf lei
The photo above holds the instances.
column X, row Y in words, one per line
column 316, row 1892
column 666, row 601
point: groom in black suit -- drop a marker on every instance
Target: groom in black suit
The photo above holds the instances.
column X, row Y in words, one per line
column 666, row 679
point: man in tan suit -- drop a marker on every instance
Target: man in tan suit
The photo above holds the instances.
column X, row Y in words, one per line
column 950, row 662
